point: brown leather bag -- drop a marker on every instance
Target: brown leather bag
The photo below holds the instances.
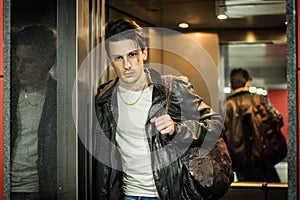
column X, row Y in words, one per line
column 203, row 167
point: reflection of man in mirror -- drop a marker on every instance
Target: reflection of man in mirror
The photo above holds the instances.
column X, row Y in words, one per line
column 240, row 132
column 33, row 114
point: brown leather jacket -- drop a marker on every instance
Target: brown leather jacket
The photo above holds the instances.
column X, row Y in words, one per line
column 240, row 134
column 190, row 114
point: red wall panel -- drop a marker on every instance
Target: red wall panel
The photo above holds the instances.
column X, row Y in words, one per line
column 278, row 98
column 1, row 38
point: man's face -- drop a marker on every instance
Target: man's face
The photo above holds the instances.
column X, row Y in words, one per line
column 128, row 61
column 30, row 66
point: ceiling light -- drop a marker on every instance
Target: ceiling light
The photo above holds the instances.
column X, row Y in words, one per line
column 222, row 16
column 252, row 89
column 245, row 8
column 227, row 90
column 183, row 25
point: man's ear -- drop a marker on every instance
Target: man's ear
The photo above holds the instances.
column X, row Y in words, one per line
column 248, row 84
column 145, row 53
column 50, row 61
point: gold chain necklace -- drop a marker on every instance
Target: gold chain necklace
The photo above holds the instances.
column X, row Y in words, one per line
column 135, row 101
column 34, row 104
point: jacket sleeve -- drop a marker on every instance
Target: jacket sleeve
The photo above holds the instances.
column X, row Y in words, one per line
column 195, row 120
column 202, row 128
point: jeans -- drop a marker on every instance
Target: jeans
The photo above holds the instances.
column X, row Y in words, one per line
column 126, row 197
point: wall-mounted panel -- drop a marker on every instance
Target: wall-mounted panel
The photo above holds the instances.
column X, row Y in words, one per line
column 194, row 55
column 278, row 98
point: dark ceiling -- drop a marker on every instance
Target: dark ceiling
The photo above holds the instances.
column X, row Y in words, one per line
column 200, row 14
column 264, row 57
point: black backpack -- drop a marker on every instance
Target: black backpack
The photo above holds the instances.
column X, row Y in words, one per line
column 255, row 139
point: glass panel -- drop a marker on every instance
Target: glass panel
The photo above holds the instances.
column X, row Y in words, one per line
column 66, row 71
column 43, row 140
column 273, row 84
column 90, row 17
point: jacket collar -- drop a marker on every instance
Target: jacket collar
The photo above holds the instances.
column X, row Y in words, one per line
column 105, row 91
column 240, row 93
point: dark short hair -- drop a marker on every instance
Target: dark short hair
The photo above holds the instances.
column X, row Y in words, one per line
column 40, row 37
column 239, row 77
column 129, row 29
column 36, row 35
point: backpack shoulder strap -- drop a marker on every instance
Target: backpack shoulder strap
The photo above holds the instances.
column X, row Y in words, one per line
column 167, row 81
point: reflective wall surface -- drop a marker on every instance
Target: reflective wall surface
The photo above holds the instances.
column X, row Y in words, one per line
column 42, row 132
column 32, row 103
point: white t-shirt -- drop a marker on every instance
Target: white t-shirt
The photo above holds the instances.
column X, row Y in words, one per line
column 133, row 144
column 24, row 174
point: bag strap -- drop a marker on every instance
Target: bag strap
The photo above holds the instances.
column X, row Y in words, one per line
column 168, row 83
column 168, row 80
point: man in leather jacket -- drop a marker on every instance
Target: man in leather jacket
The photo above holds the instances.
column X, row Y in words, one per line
column 33, row 120
column 143, row 134
column 239, row 142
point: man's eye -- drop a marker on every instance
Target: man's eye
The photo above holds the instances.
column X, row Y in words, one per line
column 118, row 58
column 132, row 54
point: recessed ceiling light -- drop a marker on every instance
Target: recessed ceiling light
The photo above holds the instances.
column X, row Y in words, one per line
column 222, row 16
column 183, row 25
